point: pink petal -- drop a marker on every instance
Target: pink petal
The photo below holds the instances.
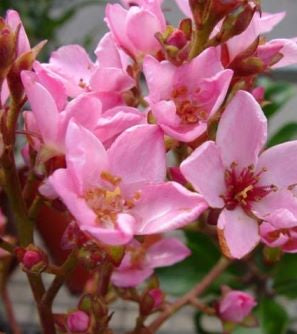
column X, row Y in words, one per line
column 238, row 233
column 184, row 132
column 166, row 207
column 270, row 20
column 242, row 131
column 85, row 156
column 120, row 234
column 143, row 159
column 142, row 25
column 116, row 120
column 74, row 66
column 13, row 19
column 205, row 171
column 283, row 199
column 167, row 252
column 62, row 182
column 111, row 79
column 184, row 7
column 43, row 106
column 265, row 230
column 280, row 163
column 206, row 65
column 107, row 53
column 159, row 77
column 86, row 110
column 130, row 277
column 116, row 18
column 288, row 50
column 282, row 218
column 52, row 84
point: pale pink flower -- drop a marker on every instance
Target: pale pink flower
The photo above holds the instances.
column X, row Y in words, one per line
column 235, row 306
column 232, row 174
column 134, row 28
column 51, row 114
column 118, row 193
column 280, row 230
column 183, row 98
column 107, row 76
column 140, row 261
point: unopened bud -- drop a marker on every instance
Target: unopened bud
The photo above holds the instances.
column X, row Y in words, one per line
column 158, row 297
column 7, row 49
column 78, row 322
column 32, row 258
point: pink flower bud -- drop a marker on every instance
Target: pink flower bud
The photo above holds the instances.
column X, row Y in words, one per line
column 31, row 258
column 177, row 39
column 158, row 297
column 235, row 306
column 78, row 322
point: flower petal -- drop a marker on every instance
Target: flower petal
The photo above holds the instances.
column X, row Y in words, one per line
column 242, row 131
column 167, row 252
column 279, row 163
column 85, row 156
column 238, row 233
column 205, row 171
column 138, row 155
column 130, row 277
column 166, row 207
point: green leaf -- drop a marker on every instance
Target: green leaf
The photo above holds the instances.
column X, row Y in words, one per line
column 273, row 317
column 285, row 276
column 277, row 94
column 287, row 132
column 242, row 330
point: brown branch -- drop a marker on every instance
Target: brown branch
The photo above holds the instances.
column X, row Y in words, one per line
column 9, row 312
column 216, row 271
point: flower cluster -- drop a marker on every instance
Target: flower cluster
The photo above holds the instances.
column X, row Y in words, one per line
column 159, row 130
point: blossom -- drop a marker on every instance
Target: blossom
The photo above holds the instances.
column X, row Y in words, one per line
column 78, row 321
column 134, row 29
column 120, row 192
column 235, row 306
column 51, row 114
column 141, row 259
column 279, row 229
column 72, row 66
column 232, row 174
column 183, row 98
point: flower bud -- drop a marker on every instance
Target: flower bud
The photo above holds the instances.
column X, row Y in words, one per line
column 235, row 306
column 32, row 258
column 78, row 322
column 158, row 297
column 7, row 48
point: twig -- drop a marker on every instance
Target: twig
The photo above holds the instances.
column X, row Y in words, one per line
column 9, row 312
column 216, row 271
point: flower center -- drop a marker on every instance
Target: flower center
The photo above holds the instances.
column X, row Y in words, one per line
column 187, row 107
column 107, row 202
column 243, row 188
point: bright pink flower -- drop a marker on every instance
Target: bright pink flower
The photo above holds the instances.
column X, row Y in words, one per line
column 280, row 230
column 230, row 175
column 50, row 114
column 119, row 193
column 78, row 322
column 235, row 306
column 134, row 29
column 140, row 261
column 183, row 98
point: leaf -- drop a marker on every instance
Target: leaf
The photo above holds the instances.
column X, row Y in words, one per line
column 242, row 330
column 277, row 94
column 285, row 276
column 287, row 132
column 273, row 317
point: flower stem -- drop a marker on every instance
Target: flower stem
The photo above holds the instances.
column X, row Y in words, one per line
column 9, row 312
column 215, row 272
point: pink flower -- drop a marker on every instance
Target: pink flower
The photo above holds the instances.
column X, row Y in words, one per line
column 51, row 114
column 107, row 76
column 118, row 193
column 232, row 174
column 183, row 98
column 140, row 261
column 235, row 306
column 134, row 29
column 280, row 230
